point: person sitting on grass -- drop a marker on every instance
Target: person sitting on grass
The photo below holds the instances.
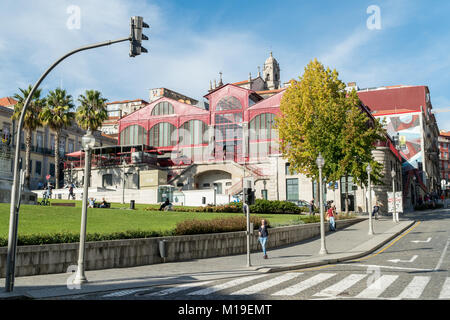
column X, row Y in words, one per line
column 103, row 204
column 165, row 204
column 91, row 203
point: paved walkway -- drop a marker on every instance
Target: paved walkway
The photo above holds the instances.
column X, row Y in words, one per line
column 346, row 244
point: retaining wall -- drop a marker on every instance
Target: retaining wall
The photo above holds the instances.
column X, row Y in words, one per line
column 56, row 258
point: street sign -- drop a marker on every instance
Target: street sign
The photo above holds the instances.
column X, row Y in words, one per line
column 398, row 202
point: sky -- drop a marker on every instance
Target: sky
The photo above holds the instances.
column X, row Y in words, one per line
column 191, row 41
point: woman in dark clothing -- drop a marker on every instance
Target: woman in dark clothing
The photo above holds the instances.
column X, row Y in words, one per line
column 263, row 234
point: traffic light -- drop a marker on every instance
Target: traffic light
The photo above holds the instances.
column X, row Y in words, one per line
column 136, row 25
column 249, row 196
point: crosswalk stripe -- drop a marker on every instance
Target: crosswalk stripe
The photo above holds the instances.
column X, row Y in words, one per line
column 178, row 288
column 292, row 290
column 122, row 293
column 266, row 284
column 225, row 285
column 414, row 288
column 341, row 286
column 377, row 287
column 445, row 293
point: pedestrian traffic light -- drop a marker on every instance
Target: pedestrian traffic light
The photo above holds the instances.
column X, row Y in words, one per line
column 136, row 25
column 249, row 196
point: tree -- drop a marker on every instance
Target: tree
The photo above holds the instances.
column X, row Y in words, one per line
column 319, row 115
column 92, row 110
column 31, row 121
column 57, row 115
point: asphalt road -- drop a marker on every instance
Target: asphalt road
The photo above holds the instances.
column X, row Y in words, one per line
column 415, row 265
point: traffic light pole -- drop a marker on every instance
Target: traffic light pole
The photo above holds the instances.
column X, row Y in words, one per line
column 14, row 208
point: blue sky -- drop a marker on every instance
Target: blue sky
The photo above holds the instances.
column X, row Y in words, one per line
column 192, row 41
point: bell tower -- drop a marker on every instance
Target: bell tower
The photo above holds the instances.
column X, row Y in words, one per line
column 271, row 73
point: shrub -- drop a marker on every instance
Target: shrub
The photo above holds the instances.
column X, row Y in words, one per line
column 274, row 206
column 217, row 225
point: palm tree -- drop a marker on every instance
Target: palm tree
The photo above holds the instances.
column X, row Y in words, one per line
column 57, row 115
column 31, row 121
column 92, row 111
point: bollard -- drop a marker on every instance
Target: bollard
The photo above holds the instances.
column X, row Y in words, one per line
column 163, row 249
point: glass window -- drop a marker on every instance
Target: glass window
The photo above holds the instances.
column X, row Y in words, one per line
column 52, row 169
column 291, row 189
column 132, row 135
column 39, row 142
column 193, row 132
column 289, row 171
column 162, row 135
column 38, row 168
column 52, row 142
column 163, row 108
column 228, row 103
column 107, row 180
column 264, row 194
column 261, row 126
column 70, row 146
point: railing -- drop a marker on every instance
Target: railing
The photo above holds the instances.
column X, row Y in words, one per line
column 99, row 161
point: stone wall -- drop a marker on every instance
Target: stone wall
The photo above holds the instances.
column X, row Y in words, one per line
column 56, row 258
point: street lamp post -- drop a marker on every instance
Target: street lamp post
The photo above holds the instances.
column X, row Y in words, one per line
column 88, row 142
column 123, row 180
column 320, row 163
column 394, row 213
column 369, row 170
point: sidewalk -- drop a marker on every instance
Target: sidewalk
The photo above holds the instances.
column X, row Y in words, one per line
column 345, row 244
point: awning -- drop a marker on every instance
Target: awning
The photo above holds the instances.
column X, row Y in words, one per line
column 76, row 154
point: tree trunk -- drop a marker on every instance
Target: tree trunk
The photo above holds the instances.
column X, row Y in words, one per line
column 57, row 160
column 27, row 158
column 346, row 194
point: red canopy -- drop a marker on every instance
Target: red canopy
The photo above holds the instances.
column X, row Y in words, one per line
column 76, row 154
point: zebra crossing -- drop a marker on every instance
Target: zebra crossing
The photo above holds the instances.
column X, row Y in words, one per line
column 290, row 284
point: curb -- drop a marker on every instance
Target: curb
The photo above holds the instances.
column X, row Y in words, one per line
column 335, row 260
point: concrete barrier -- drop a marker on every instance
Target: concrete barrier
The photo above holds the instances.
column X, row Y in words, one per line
column 56, row 258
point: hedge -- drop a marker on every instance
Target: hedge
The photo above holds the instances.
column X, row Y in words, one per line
column 260, row 206
column 217, row 225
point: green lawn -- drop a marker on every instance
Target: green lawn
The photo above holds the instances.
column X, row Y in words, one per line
column 35, row 219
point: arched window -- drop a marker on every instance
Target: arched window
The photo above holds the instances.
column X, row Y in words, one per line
column 193, row 132
column 261, row 126
column 163, row 108
column 228, row 103
column 162, row 134
column 133, row 134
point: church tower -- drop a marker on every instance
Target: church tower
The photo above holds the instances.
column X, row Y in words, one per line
column 271, row 73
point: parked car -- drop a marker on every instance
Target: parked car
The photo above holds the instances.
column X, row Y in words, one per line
column 300, row 203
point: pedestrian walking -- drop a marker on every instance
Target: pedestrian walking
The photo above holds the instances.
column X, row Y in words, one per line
column 311, row 207
column 331, row 214
column 263, row 234
column 71, row 194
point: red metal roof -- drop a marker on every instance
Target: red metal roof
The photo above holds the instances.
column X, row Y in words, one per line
column 127, row 101
column 395, row 99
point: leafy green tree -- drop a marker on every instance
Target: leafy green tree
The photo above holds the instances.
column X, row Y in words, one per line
column 92, row 110
column 57, row 114
column 318, row 115
column 31, row 121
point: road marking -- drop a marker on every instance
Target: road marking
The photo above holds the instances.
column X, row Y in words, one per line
column 122, row 293
column 266, row 284
column 377, row 287
column 398, row 260
column 225, row 285
column 391, row 243
column 178, row 288
column 414, row 288
column 445, row 293
column 341, row 286
column 299, row 287
column 389, row 267
column 442, row 256
column 425, row 241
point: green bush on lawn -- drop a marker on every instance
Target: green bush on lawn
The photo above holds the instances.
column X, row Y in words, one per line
column 260, row 206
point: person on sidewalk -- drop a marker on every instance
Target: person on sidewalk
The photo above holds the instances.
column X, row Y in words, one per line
column 331, row 213
column 376, row 209
column 263, row 234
